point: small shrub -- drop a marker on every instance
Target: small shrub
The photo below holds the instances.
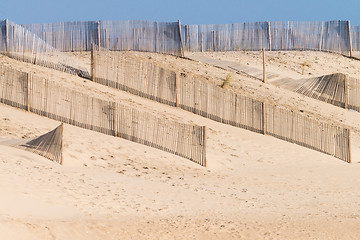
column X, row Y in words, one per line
column 226, row 81
column 303, row 65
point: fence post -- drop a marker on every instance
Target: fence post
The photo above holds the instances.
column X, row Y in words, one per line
column 263, row 56
column 176, row 90
column 349, row 144
column 269, row 34
column 93, row 62
column 350, row 41
column 346, row 93
column 204, row 146
column 98, row 33
column 264, row 117
column 28, row 91
column 187, row 38
column 181, row 45
column 321, row 36
column 213, row 40
column 7, row 37
column 115, row 119
column 62, row 144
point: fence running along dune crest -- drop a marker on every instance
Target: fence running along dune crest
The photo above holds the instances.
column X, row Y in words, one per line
column 67, row 36
column 42, row 97
column 160, row 37
column 225, row 37
column 23, row 45
column 173, row 38
column 333, row 36
column 355, row 37
column 195, row 94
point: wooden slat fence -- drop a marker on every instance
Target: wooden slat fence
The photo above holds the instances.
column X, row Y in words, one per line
column 298, row 128
column 225, row 37
column 24, row 45
column 67, row 36
column 2, row 36
column 48, row 145
column 328, row 88
column 209, row 100
column 353, row 88
column 164, row 37
column 355, row 37
column 139, row 77
column 323, row 36
column 197, row 95
column 160, row 37
column 337, row 89
column 333, row 36
column 13, row 86
column 75, row 108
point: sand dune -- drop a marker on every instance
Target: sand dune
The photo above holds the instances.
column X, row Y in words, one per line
column 255, row 186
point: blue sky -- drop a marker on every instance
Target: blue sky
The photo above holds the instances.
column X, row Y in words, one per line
column 188, row 11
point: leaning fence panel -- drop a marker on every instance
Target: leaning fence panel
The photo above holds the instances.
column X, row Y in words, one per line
column 13, row 87
column 23, row 45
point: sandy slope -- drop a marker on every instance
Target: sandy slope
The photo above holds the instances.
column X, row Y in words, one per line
column 255, row 187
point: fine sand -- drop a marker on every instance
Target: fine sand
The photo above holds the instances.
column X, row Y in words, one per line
column 255, row 186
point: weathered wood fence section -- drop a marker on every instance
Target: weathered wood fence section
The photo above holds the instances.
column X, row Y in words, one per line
column 328, row 88
column 13, row 86
column 23, row 45
column 337, row 89
column 172, row 38
column 333, row 36
column 67, row 36
column 195, row 94
column 298, row 128
column 160, row 37
column 211, row 101
column 355, row 37
column 42, row 97
column 2, row 36
column 49, row 145
column 353, row 93
column 139, row 77
column 226, row 37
